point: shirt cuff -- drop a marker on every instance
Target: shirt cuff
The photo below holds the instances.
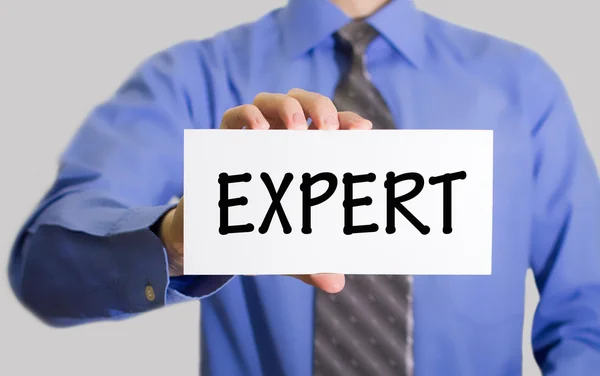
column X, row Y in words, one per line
column 176, row 289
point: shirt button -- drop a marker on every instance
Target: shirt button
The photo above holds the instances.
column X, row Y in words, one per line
column 150, row 293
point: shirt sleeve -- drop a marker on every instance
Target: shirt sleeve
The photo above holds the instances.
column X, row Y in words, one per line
column 87, row 253
column 566, row 234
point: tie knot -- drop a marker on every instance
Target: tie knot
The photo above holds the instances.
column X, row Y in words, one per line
column 357, row 35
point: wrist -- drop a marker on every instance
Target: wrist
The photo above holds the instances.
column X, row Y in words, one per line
column 164, row 232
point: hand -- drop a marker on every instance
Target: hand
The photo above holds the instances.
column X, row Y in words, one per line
column 291, row 111
column 271, row 111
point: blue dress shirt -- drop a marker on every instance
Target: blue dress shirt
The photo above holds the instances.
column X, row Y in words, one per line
column 87, row 253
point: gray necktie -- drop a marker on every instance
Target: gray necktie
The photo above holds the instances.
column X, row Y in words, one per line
column 367, row 328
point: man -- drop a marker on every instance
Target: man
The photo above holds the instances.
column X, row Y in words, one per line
column 105, row 242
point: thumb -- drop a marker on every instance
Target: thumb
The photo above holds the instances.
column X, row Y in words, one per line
column 330, row 283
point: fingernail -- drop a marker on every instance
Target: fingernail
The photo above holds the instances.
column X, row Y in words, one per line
column 331, row 122
column 363, row 124
column 337, row 287
column 298, row 119
column 261, row 124
column 337, row 284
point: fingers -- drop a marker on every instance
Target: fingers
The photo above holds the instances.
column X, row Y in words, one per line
column 291, row 111
column 318, row 107
column 352, row 121
column 282, row 111
column 247, row 115
column 330, row 283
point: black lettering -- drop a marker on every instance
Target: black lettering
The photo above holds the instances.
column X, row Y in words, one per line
column 446, row 181
column 349, row 203
column 308, row 202
column 394, row 202
column 225, row 203
column 276, row 203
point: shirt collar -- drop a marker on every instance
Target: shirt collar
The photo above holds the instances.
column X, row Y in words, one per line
column 306, row 23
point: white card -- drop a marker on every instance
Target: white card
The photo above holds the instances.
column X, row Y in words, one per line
column 330, row 237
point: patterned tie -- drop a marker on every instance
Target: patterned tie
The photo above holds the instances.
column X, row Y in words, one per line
column 367, row 328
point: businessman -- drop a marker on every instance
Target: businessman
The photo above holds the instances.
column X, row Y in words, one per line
column 106, row 242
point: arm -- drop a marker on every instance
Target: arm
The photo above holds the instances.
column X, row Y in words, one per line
column 566, row 235
column 89, row 251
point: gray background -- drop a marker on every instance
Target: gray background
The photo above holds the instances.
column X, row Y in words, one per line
column 59, row 58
